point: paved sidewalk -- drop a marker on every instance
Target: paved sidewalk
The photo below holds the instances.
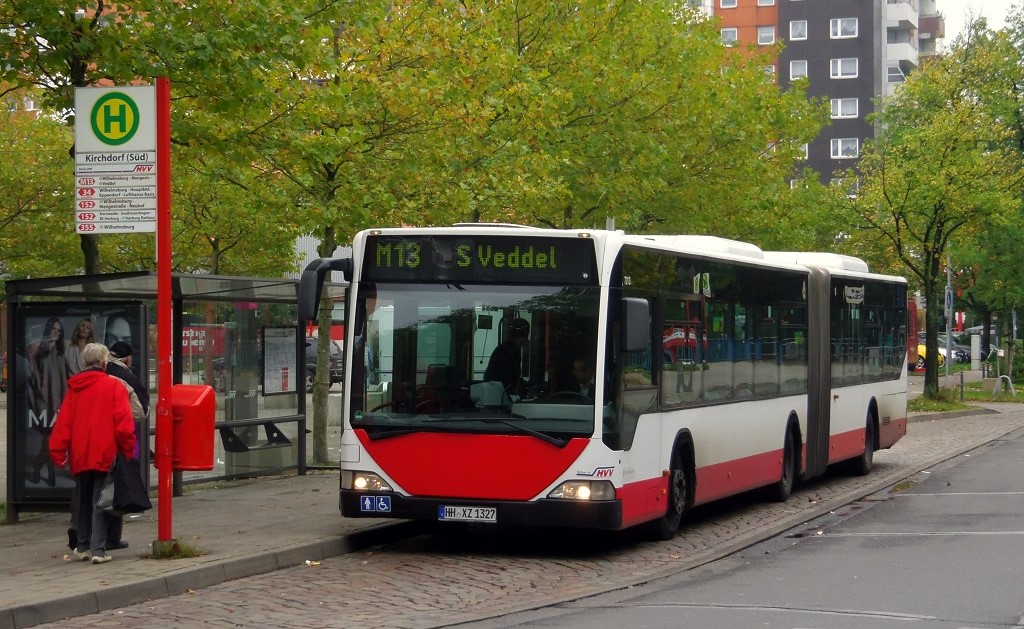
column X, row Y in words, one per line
column 255, row 527
column 245, row 527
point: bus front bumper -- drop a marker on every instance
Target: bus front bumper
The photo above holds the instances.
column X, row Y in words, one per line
column 601, row 515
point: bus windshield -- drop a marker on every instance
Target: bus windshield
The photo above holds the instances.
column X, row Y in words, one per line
column 474, row 358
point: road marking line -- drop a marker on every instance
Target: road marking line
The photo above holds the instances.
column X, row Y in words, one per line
column 967, row 493
column 861, row 613
column 927, row 534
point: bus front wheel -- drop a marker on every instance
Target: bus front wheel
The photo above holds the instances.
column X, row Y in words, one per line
column 666, row 527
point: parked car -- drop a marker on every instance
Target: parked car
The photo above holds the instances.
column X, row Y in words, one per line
column 961, row 352
column 336, row 364
column 921, row 354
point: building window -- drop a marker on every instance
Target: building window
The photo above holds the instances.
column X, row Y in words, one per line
column 769, row 71
column 798, row 29
column 765, row 35
column 729, row 36
column 845, row 148
column 895, row 75
column 844, row 68
column 727, row 4
column 845, row 108
column 765, row 3
column 797, row 69
column 844, row 27
column 850, row 187
column 804, row 147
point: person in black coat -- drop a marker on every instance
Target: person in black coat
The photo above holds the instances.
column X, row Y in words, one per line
column 506, row 363
column 120, row 365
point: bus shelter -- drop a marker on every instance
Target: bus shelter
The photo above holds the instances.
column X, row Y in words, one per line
column 237, row 334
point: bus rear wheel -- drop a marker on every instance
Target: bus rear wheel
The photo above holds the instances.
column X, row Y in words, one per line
column 781, row 489
column 861, row 466
column 666, row 527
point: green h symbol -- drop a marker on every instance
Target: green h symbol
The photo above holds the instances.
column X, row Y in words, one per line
column 114, row 118
column 110, row 118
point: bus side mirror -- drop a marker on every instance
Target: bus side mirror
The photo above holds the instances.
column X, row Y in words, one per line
column 636, row 324
column 311, row 283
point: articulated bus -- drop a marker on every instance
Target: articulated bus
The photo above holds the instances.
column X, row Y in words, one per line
column 721, row 369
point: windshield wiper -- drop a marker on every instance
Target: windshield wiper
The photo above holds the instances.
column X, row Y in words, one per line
column 546, row 438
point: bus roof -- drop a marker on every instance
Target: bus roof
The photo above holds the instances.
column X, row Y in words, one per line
column 834, row 261
column 711, row 244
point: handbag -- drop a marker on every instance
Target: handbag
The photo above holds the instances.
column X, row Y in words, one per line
column 123, row 490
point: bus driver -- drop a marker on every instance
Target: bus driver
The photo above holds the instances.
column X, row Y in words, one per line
column 505, row 365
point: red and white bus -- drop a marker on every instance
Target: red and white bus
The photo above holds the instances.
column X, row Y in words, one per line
column 721, row 369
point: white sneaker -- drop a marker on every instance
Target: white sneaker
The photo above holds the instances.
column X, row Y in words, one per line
column 101, row 558
column 83, row 555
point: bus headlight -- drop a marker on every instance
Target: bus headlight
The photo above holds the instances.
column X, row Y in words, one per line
column 363, row 481
column 584, row 490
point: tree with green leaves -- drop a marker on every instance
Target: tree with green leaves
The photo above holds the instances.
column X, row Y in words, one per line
column 36, row 193
column 986, row 256
column 57, row 46
column 941, row 166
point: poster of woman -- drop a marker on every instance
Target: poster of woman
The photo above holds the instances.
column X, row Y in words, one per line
column 48, row 340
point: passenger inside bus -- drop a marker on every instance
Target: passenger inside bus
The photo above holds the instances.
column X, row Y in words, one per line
column 506, row 362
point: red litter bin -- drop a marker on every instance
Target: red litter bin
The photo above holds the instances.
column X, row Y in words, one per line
column 194, row 407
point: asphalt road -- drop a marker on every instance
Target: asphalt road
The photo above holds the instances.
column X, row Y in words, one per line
column 942, row 550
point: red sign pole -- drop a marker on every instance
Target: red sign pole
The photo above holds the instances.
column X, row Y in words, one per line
column 164, row 312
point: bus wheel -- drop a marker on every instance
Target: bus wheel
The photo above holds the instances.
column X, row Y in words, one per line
column 861, row 466
column 666, row 527
column 781, row 489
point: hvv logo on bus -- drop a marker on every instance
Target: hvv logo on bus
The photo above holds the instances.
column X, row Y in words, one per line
column 599, row 472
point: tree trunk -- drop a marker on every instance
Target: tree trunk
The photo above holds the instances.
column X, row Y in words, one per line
column 931, row 352
column 90, row 244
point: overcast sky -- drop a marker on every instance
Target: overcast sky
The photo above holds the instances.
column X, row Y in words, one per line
column 957, row 13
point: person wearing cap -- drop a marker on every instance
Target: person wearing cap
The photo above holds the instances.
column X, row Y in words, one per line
column 120, row 366
column 505, row 365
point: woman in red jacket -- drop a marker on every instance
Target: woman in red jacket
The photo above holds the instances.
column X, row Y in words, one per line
column 93, row 424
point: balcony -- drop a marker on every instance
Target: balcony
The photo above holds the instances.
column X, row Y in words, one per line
column 901, row 14
column 934, row 26
column 906, row 54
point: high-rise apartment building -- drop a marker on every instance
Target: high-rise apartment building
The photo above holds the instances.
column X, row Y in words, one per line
column 849, row 51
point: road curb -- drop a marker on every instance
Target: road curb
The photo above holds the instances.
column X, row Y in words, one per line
column 148, row 589
column 924, row 417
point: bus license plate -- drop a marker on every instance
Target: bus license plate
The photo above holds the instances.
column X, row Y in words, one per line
column 455, row 513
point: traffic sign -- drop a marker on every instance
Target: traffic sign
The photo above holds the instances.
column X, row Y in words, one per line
column 115, row 159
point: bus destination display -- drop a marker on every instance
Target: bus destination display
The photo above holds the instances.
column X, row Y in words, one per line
column 480, row 259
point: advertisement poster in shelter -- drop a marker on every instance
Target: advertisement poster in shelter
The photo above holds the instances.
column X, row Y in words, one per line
column 48, row 338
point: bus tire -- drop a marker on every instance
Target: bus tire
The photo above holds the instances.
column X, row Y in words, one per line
column 861, row 466
column 782, row 488
column 666, row 527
